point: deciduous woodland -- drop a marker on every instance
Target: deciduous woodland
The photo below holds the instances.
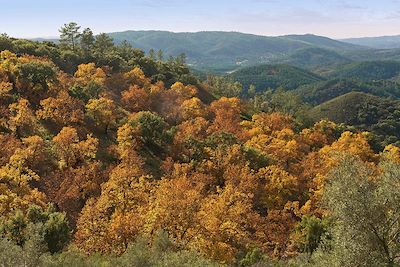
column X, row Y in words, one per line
column 110, row 157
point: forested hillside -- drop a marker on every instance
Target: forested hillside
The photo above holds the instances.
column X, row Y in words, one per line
column 369, row 70
column 274, row 76
column 377, row 115
column 319, row 60
column 112, row 157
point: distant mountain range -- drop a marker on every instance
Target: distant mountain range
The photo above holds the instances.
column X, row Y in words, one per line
column 382, row 42
column 227, row 51
column 223, row 52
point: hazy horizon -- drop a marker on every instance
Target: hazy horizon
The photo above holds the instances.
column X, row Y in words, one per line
column 334, row 19
column 156, row 30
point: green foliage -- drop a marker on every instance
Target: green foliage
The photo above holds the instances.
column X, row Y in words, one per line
column 51, row 225
column 37, row 73
column 85, row 93
column 152, row 128
column 310, row 231
column 223, row 86
column 369, row 70
column 5, row 42
column 320, row 92
column 69, row 35
column 252, row 257
column 366, row 212
column 76, row 47
column 318, row 59
column 274, row 76
column 282, row 101
column 366, row 112
column 138, row 254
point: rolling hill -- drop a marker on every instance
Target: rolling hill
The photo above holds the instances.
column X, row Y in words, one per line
column 273, row 76
column 316, row 59
column 323, row 42
column 320, row 92
column 369, row 70
column 365, row 112
column 372, row 54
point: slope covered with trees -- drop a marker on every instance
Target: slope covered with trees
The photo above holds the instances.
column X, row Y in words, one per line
column 107, row 164
column 369, row 70
column 274, row 76
column 377, row 115
column 318, row 60
column 321, row 92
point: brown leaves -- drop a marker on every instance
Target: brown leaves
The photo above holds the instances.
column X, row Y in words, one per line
column 63, row 110
column 70, row 150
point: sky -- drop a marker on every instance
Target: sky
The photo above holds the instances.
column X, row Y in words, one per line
column 331, row 18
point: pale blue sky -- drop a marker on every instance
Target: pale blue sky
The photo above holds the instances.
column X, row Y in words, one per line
column 333, row 18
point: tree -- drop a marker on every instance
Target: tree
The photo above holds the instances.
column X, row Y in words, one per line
column 23, row 118
column 227, row 222
column 51, row 226
column 87, row 73
column 63, row 110
column 16, row 178
column 136, row 99
column 226, row 115
column 70, row 35
column 104, row 112
column 366, row 211
column 137, row 77
column 87, row 41
column 103, row 44
column 115, row 219
column 174, row 207
column 310, row 232
column 151, row 129
column 193, row 108
column 223, row 87
column 70, row 150
column 280, row 187
column 37, row 73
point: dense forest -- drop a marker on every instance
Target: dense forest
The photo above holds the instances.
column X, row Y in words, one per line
column 116, row 157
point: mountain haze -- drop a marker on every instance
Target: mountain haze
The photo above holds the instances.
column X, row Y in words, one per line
column 225, row 51
column 381, row 42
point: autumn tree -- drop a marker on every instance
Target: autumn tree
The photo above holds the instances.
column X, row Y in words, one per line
column 174, row 207
column 70, row 150
column 16, row 177
column 22, row 117
column 227, row 223
column 136, row 99
column 193, row 108
column 137, row 77
column 226, row 115
column 113, row 220
column 103, row 112
column 63, row 110
column 89, row 82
